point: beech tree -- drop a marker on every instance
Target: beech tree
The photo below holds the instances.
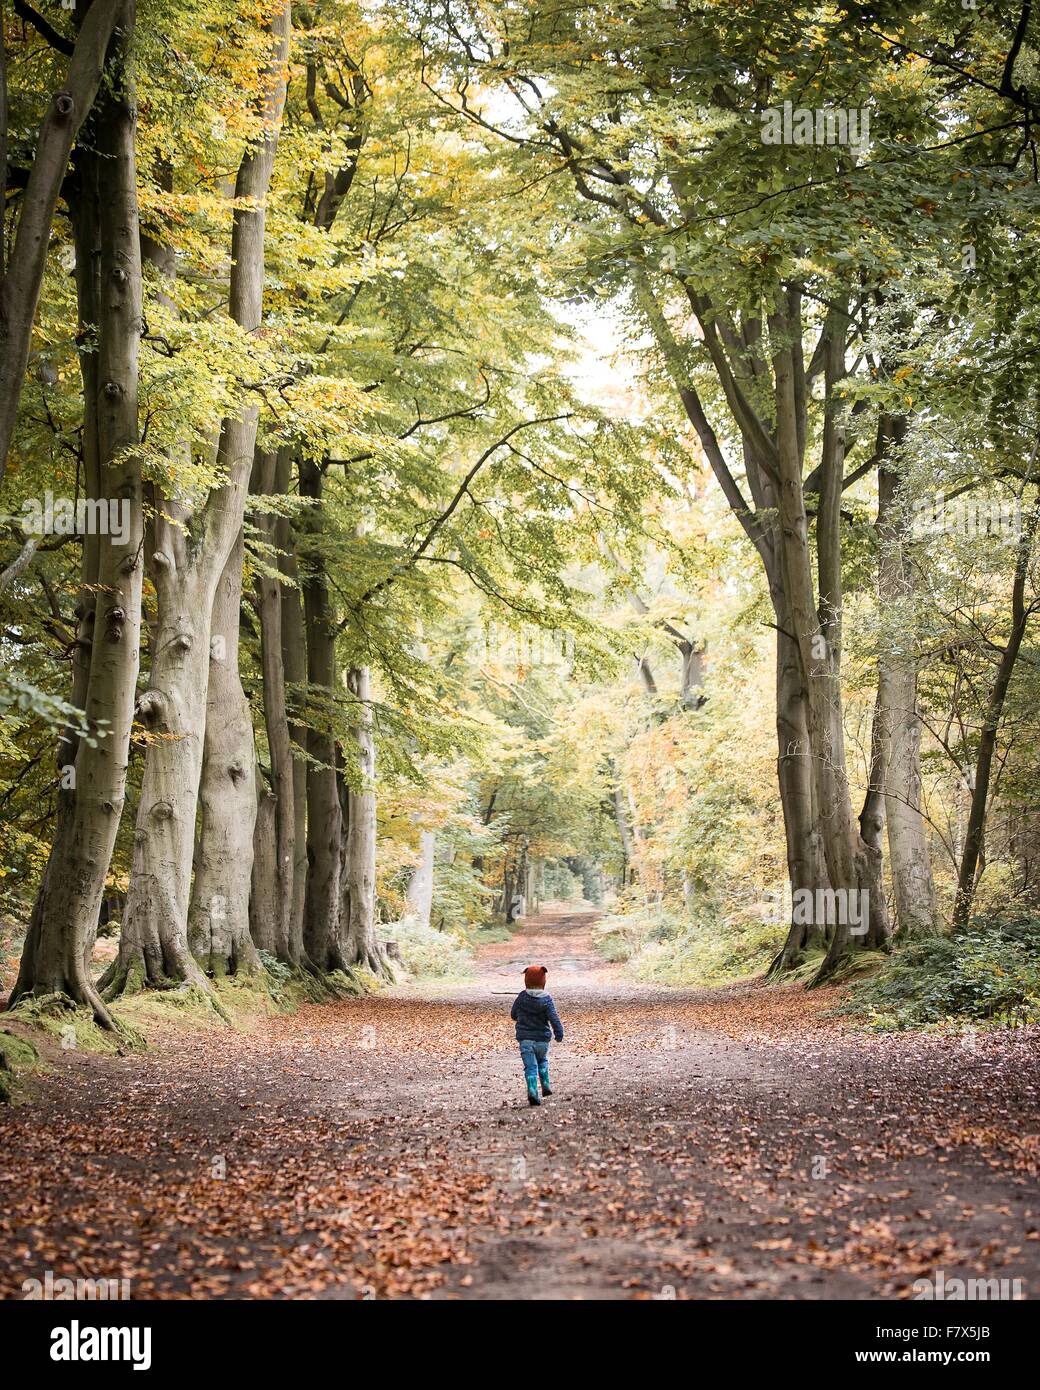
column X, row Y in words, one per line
column 188, row 554
column 91, row 800
column 756, row 266
column 21, row 274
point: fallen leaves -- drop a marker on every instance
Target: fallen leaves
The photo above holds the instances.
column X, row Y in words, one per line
column 700, row 1144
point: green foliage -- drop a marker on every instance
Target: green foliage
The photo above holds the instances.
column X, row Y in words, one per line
column 460, row 896
column 661, row 945
column 279, row 971
column 17, row 1054
column 560, row 883
column 427, row 953
column 474, row 208
column 988, row 973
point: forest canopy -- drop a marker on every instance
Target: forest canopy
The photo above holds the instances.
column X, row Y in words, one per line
column 457, row 456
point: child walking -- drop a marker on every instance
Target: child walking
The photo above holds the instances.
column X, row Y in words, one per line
column 536, row 1022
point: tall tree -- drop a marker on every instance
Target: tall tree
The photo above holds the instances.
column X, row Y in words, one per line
column 190, row 549
column 68, row 903
column 21, row 274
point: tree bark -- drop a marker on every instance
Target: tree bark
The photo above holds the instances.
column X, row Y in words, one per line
column 853, row 865
column 806, row 868
column 1021, row 612
column 896, row 749
column 294, row 665
column 187, row 563
column 419, row 894
column 321, row 927
column 84, row 208
column 272, row 660
column 358, row 891
column 624, row 834
column 20, row 283
column 66, row 910
column 263, row 892
column 218, row 918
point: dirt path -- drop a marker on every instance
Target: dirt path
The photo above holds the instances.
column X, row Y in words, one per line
column 734, row 1143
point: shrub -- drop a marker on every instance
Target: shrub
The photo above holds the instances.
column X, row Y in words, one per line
column 427, row 952
column 988, row 972
column 662, row 945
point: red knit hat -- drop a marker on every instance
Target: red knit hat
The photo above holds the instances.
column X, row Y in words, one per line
column 534, row 977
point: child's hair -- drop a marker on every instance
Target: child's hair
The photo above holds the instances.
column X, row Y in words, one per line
column 534, row 977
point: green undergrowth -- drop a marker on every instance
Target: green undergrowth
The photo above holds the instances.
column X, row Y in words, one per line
column 73, row 1027
column 428, row 953
column 17, row 1056
column 987, row 974
column 664, row 945
column 489, row 934
column 855, row 966
column 242, row 1001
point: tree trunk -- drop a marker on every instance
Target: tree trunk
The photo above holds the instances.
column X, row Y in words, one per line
column 20, row 282
column 419, row 895
column 263, row 892
column 153, row 943
column 806, row 868
column 279, row 742
column 1021, row 612
column 84, row 209
column 624, row 834
column 218, row 918
column 691, row 692
column 358, row 900
column 324, row 818
column 294, row 665
column 186, row 569
column 66, row 910
column 855, row 911
column 795, row 769
column 515, row 905
column 897, row 755
column 536, row 889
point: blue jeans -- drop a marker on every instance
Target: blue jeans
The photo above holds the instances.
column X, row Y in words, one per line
column 535, row 1057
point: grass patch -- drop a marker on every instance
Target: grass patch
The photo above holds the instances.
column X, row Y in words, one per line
column 240, row 1002
column 72, row 1025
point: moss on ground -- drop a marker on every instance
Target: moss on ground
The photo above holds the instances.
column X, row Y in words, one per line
column 240, row 1002
column 17, row 1055
column 72, row 1025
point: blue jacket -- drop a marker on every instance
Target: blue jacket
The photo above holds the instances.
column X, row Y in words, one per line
column 535, row 1015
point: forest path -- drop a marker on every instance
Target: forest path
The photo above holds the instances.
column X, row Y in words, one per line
column 714, row 1143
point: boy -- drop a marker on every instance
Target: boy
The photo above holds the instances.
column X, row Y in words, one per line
column 536, row 1022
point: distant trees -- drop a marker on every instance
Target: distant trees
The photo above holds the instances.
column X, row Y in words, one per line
column 760, row 270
